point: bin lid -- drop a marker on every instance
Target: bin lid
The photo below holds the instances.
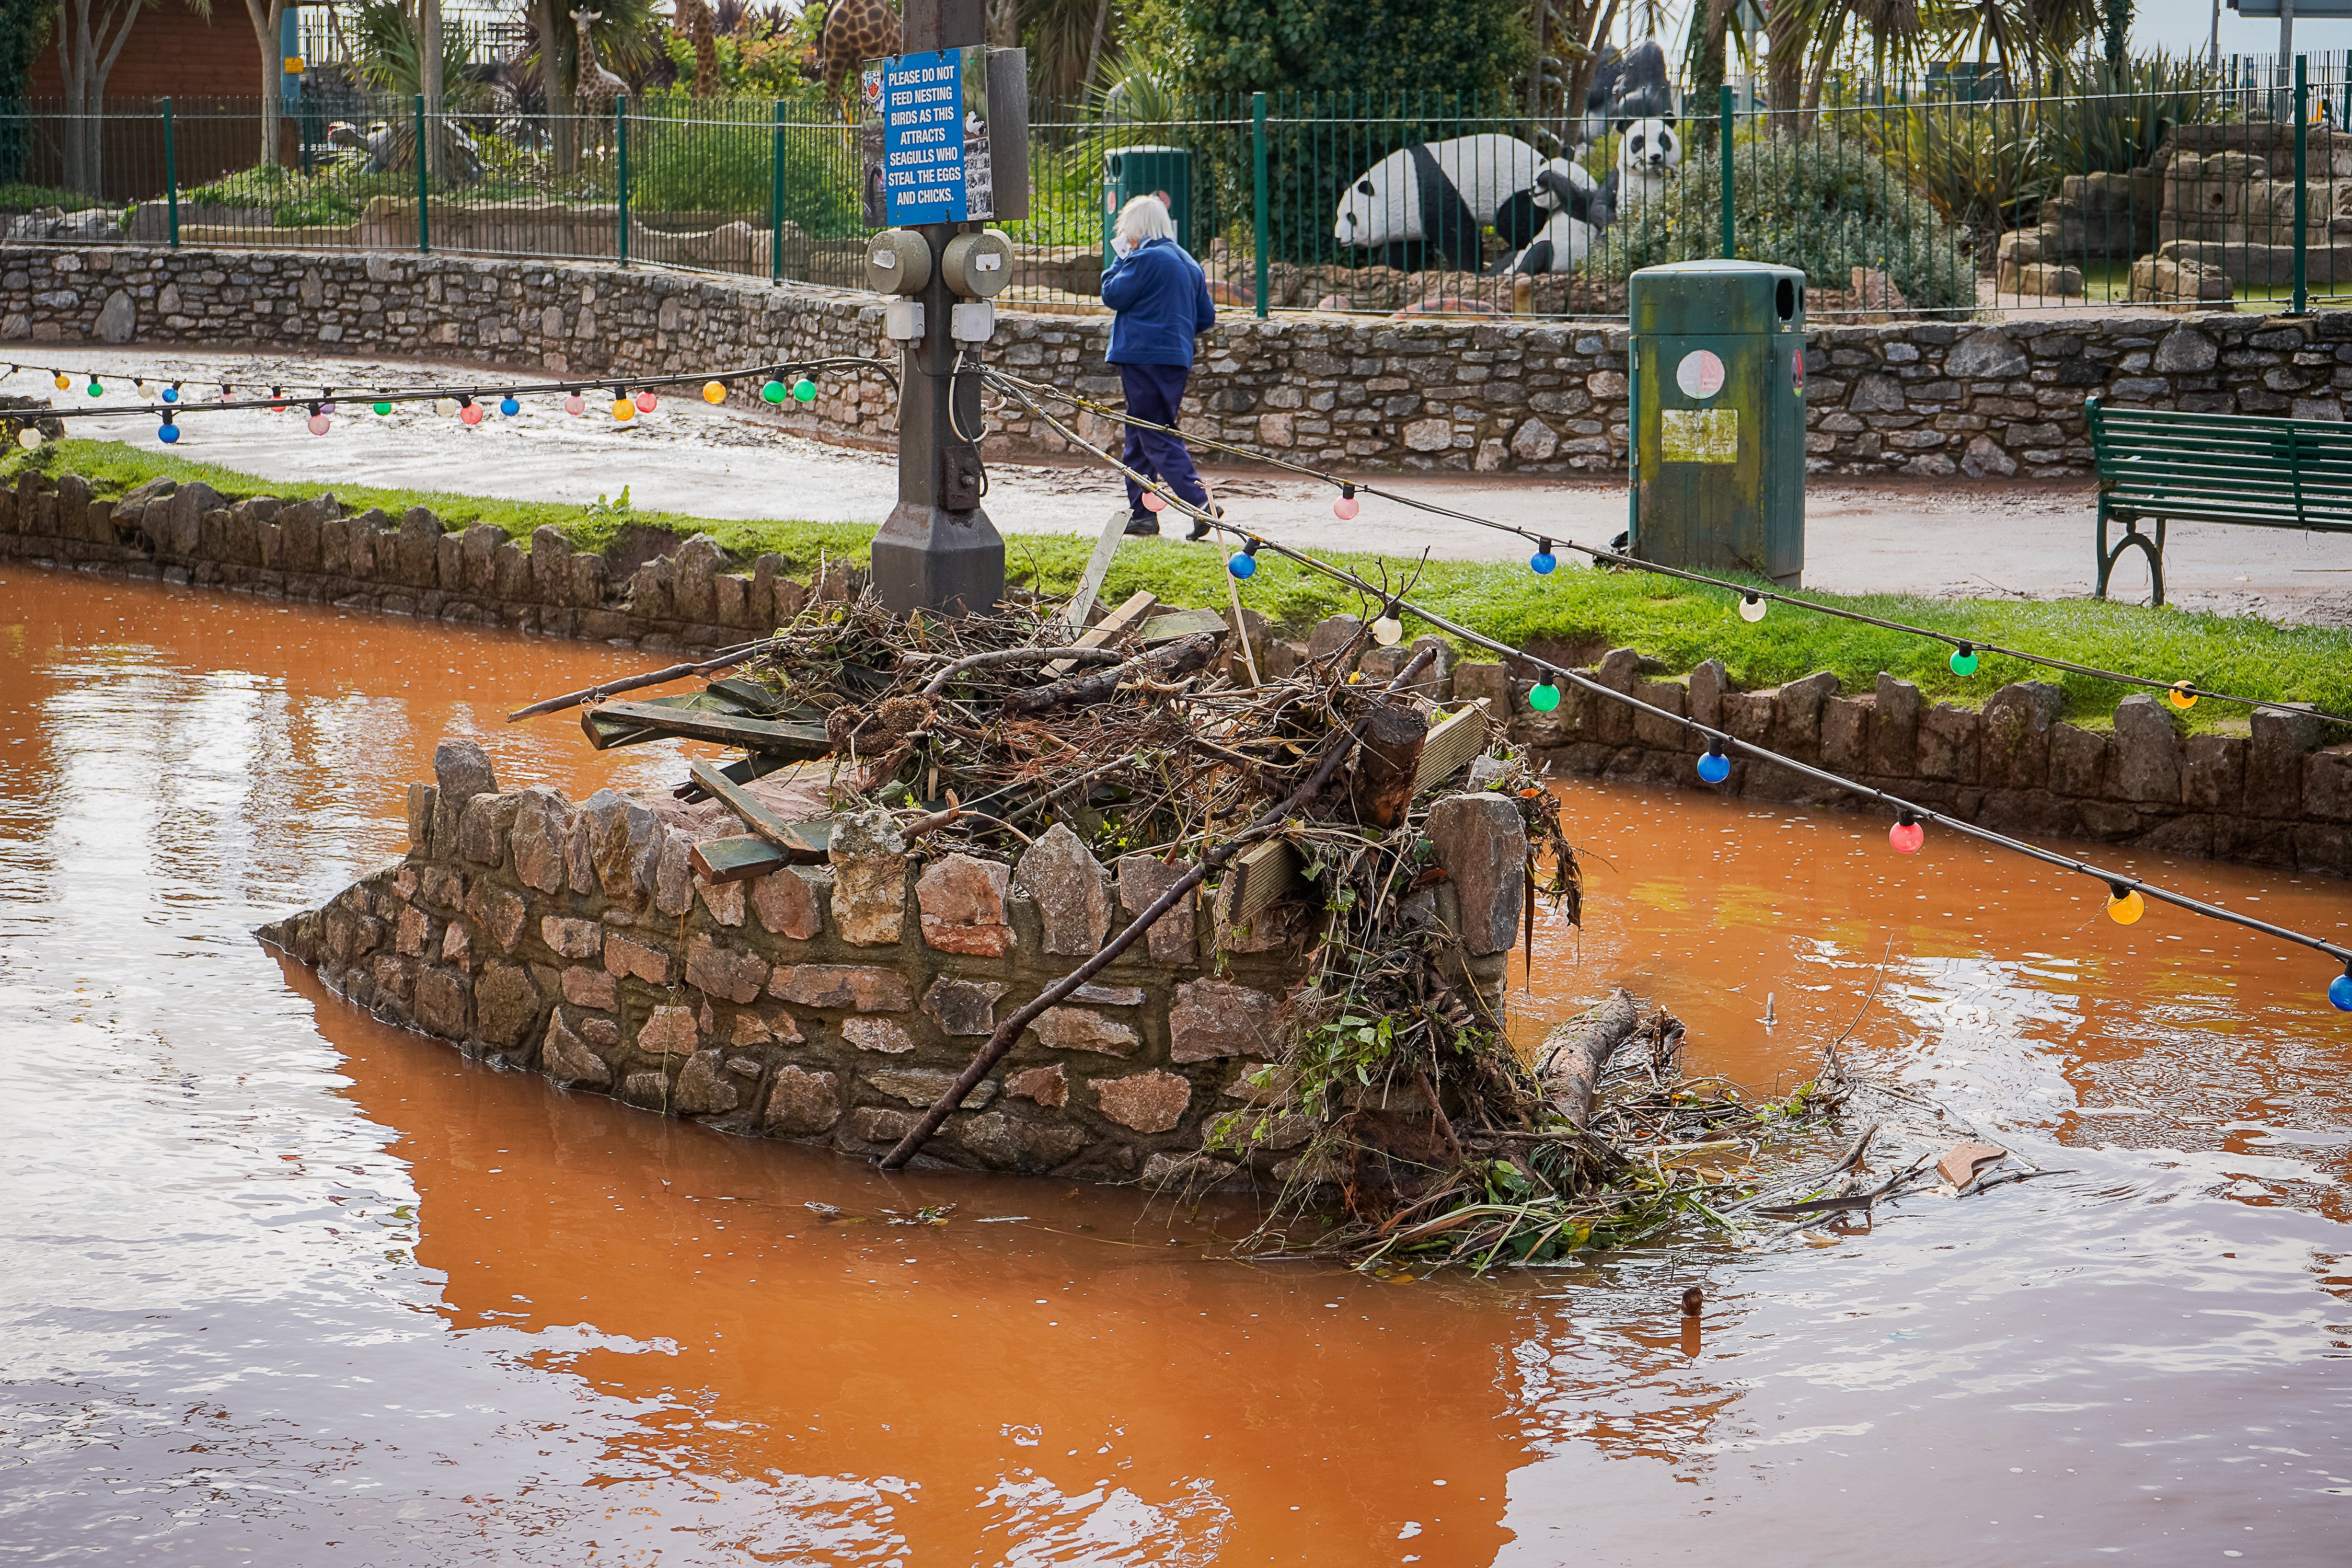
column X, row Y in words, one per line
column 1686, row 298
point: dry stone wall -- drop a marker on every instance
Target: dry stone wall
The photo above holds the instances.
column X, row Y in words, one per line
column 832, row 1003
column 1907, row 397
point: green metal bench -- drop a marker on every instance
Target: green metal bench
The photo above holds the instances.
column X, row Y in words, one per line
column 2265, row 472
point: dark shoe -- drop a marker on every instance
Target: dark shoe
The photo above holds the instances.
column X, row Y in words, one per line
column 1200, row 529
column 1143, row 526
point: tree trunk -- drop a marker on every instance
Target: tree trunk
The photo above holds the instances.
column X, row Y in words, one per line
column 1003, row 24
column 1707, row 76
column 265, row 14
column 1094, row 49
column 429, row 83
column 562, row 143
column 86, row 54
column 1784, row 65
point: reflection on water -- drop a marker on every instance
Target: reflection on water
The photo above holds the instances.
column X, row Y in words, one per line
column 290, row 1285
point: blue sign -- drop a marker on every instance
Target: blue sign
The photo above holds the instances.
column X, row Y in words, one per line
column 923, row 137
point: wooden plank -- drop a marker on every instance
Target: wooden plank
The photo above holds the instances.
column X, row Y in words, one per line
column 736, row 860
column 1082, row 603
column 792, row 837
column 1175, row 624
column 804, row 743
column 1262, row 874
column 1457, row 739
column 742, row 770
column 750, row 698
column 1106, row 632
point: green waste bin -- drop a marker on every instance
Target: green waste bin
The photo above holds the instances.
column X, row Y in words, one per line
column 1718, row 388
column 1163, row 171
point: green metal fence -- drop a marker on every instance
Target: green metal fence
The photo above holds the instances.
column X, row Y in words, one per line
column 2172, row 185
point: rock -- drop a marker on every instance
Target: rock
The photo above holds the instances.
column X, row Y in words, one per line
column 1985, row 459
column 586, row 987
column 543, row 823
column 964, row 1007
column 1070, row 888
column 787, row 905
column 444, row 1004
column 2014, row 735
column 859, row 986
column 118, row 319
column 2184, row 350
column 420, row 799
column 670, row 1031
column 724, row 900
column 1148, row 1102
column 703, row 1089
column 1988, row 354
column 1046, row 1086
column 481, row 837
column 877, row 1034
column 923, row 1087
column 2212, row 772
column 1079, row 1029
column 718, row 969
column 1174, row 937
column 963, row 904
column 571, row 938
column 566, row 1057
column 456, row 947
column 1109, row 995
column 462, row 770
column 650, row 1089
column 2147, row 752
column 802, row 1101
column 1895, row 727
column 1213, row 1019
column 625, row 955
column 416, row 932
column 1707, row 685
column 1483, row 843
column 2275, row 757
column 873, row 1124
column 1333, row 633
column 2078, row 762
column 869, row 880
column 614, row 847
column 992, row 1139
column 498, row 912
column 674, row 875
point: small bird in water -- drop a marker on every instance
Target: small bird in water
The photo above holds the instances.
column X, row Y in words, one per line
column 1694, row 1301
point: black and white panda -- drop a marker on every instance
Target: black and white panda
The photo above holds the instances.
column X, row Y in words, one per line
column 1569, row 200
column 1633, row 85
column 1648, row 154
column 1426, row 205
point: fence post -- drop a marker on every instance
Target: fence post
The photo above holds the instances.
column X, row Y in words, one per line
column 424, row 187
column 1723, row 145
column 776, row 201
column 170, row 178
column 1257, row 183
column 621, row 180
column 2302, row 193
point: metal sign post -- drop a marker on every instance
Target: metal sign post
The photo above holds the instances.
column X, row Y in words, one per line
column 937, row 550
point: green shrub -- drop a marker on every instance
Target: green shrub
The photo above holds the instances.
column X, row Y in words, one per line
column 677, row 165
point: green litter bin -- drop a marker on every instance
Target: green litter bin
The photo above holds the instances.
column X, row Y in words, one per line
column 1164, row 171
column 1718, row 416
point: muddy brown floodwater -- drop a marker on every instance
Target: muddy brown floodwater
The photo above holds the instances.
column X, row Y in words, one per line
column 286, row 1286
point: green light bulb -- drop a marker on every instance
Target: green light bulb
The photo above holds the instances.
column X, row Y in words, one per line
column 804, row 390
column 1544, row 698
column 382, row 407
column 773, row 391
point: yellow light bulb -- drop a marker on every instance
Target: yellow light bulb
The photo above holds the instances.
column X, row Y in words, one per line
column 623, row 409
column 2127, row 910
column 714, row 392
column 2183, row 695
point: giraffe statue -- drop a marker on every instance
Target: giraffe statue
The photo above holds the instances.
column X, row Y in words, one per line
column 700, row 27
column 855, row 31
column 596, row 87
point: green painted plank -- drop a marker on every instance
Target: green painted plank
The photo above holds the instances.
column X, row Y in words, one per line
column 804, row 743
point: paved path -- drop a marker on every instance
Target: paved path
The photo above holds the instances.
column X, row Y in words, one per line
column 1944, row 538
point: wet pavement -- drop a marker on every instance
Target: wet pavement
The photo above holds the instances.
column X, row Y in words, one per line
column 2025, row 539
column 288, row 1286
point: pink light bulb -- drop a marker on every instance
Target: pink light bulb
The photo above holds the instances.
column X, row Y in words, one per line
column 318, row 424
column 1154, row 501
column 1907, row 837
column 471, row 414
column 575, row 406
column 1345, row 508
column 645, row 403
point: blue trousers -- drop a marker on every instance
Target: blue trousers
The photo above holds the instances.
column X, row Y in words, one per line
column 1153, row 393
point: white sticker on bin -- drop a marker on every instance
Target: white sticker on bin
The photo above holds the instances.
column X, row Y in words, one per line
column 1700, row 374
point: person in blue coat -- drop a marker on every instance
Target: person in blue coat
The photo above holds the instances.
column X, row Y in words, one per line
column 1160, row 298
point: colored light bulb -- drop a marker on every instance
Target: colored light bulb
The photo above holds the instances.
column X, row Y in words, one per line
column 1243, row 564
column 714, row 392
column 772, row 392
column 171, row 395
column 94, row 389
column 64, row 382
column 1387, row 631
column 1544, row 698
column 509, row 406
column 471, row 414
column 646, row 402
column 623, row 409
column 1544, row 562
column 2339, row 992
column 1154, row 501
column 169, row 434
column 1345, row 508
column 319, row 423
column 805, row 391
column 2182, row 696
column 1964, row 660
column 445, row 407
column 1751, row 608
column 1715, row 767
column 28, row 439
column 2126, row 907
column 575, row 406
column 381, row 405
column 1907, row 836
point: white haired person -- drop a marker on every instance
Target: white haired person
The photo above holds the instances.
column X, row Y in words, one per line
column 1161, row 301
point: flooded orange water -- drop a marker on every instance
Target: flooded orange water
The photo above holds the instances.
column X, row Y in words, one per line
column 287, row 1286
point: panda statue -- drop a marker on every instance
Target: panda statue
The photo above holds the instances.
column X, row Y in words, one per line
column 1570, row 202
column 1648, row 154
column 1633, row 85
column 1425, row 207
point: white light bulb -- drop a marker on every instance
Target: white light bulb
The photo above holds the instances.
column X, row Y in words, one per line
column 1387, row 631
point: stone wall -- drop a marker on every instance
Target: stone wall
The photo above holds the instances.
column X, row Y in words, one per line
column 832, row 1003
column 2278, row 795
column 1929, row 398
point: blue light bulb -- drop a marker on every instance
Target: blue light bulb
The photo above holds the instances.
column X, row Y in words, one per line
column 171, row 395
column 1543, row 561
column 2339, row 992
column 1244, row 565
column 1715, row 767
column 509, row 406
column 168, row 434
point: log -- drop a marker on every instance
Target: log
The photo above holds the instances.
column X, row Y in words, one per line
column 1173, row 662
column 1387, row 765
column 1577, row 1053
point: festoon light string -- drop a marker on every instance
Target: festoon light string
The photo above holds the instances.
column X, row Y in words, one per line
column 1966, row 651
column 2127, row 895
column 631, row 396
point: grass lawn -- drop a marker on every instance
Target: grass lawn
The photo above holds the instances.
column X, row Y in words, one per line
column 1679, row 624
